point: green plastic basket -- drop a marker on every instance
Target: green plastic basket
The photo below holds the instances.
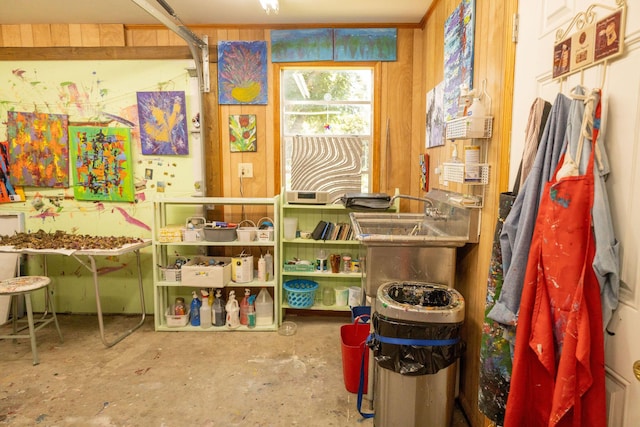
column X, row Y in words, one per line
column 300, row 293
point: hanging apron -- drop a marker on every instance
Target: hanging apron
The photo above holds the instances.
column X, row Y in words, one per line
column 558, row 367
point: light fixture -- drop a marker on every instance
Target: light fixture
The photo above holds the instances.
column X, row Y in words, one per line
column 270, row 6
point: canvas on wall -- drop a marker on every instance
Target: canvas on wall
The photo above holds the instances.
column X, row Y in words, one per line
column 459, row 35
column 163, row 123
column 242, row 133
column 302, row 45
column 435, row 117
column 38, row 149
column 102, row 166
column 365, row 44
column 242, row 72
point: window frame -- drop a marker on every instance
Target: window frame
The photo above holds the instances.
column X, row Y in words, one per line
column 374, row 146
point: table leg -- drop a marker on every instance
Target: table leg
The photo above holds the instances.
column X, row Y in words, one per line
column 128, row 332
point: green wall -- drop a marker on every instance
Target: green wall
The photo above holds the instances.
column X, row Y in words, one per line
column 84, row 90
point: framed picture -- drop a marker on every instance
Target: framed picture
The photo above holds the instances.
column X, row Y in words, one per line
column 242, row 72
column 242, row 133
column 163, row 123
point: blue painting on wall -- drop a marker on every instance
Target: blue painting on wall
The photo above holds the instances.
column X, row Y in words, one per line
column 302, row 45
column 366, row 44
column 459, row 36
column 163, row 123
column 242, row 72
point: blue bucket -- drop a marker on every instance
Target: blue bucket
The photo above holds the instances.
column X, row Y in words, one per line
column 360, row 310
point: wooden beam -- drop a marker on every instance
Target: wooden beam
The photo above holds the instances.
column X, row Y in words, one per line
column 98, row 53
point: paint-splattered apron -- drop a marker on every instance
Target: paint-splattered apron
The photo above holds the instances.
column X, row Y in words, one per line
column 495, row 348
column 558, row 367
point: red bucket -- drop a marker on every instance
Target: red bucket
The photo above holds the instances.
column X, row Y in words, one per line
column 353, row 339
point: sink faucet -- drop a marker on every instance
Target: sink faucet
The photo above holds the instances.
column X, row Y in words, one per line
column 428, row 203
column 429, row 209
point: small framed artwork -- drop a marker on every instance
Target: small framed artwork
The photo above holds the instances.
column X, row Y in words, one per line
column 242, row 133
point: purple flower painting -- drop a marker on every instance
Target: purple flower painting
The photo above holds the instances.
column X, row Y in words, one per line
column 242, row 72
column 163, row 123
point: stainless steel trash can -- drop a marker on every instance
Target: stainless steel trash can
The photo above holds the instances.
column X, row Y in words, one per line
column 416, row 345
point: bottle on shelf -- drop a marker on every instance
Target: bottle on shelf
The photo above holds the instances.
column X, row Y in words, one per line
column 233, row 311
column 195, row 309
column 268, row 261
column 264, row 308
column 219, row 312
column 244, row 307
column 205, row 310
column 251, row 312
column 262, row 269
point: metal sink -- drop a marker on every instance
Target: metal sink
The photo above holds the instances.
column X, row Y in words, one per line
column 410, row 229
column 415, row 246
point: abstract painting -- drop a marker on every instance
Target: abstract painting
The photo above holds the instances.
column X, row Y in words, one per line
column 242, row 72
column 102, row 166
column 367, row 44
column 435, row 117
column 163, row 123
column 7, row 191
column 242, row 133
column 302, row 45
column 38, row 149
column 459, row 35
column 327, row 163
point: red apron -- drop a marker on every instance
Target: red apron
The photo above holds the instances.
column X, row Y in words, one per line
column 558, row 367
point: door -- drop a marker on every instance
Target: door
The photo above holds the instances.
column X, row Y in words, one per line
column 538, row 22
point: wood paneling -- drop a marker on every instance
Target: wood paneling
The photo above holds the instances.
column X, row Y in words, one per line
column 60, row 35
column 494, row 53
column 42, row 35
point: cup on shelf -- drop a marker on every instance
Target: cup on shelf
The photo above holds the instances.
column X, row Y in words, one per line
column 342, row 296
column 355, row 294
column 328, row 296
column 290, row 227
column 334, row 259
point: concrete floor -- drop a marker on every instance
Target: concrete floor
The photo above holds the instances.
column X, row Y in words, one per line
column 178, row 378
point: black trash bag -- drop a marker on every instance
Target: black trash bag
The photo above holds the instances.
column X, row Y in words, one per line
column 410, row 359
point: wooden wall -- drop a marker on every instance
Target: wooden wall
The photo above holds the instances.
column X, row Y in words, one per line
column 494, row 56
column 399, row 126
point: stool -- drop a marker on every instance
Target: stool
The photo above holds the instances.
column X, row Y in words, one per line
column 24, row 285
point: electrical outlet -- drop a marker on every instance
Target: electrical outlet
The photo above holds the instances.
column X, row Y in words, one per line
column 245, row 170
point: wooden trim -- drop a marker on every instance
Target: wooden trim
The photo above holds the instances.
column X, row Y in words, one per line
column 376, row 141
column 100, row 53
column 195, row 28
column 277, row 129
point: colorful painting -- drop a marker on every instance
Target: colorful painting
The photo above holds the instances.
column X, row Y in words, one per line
column 368, row 44
column 163, row 123
column 102, row 166
column 459, row 35
column 242, row 133
column 242, row 72
column 435, row 117
column 38, row 149
column 302, row 45
column 7, row 192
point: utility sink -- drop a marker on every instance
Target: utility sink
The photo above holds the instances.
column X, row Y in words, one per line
column 442, row 224
column 414, row 246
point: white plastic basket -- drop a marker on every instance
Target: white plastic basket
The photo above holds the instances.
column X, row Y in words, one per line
column 469, row 127
column 456, row 172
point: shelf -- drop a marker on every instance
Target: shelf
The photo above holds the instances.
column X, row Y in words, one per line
column 469, row 128
column 178, row 209
column 241, row 328
column 319, row 307
column 252, row 284
column 323, row 275
column 321, row 242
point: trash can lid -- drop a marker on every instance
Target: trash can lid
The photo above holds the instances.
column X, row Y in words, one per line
column 420, row 302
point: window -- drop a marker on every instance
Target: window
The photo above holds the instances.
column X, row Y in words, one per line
column 327, row 125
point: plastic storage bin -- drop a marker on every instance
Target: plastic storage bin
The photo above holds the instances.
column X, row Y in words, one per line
column 300, row 293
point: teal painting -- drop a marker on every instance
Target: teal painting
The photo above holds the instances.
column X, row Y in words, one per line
column 369, row 44
column 302, row 45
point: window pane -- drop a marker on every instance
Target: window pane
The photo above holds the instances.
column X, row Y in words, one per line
column 324, row 102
